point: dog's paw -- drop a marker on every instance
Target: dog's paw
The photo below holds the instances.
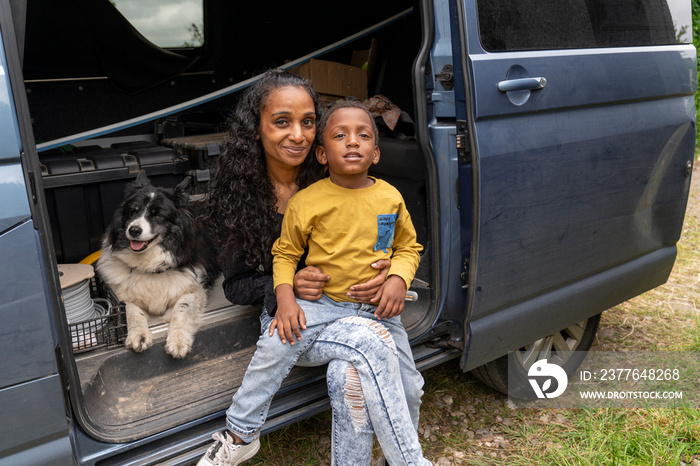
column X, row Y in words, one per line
column 139, row 341
column 178, row 343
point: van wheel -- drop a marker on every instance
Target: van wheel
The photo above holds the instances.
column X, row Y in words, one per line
column 565, row 348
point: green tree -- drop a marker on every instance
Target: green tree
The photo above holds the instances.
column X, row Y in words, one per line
column 197, row 35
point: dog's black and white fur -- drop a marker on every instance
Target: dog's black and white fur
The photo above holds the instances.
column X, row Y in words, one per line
column 156, row 260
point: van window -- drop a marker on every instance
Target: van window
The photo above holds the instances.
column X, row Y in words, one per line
column 166, row 23
column 565, row 24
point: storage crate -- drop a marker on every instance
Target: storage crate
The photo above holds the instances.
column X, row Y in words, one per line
column 202, row 151
column 105, row 331
column 102, row 332
column 85, row 185
column 198, row 149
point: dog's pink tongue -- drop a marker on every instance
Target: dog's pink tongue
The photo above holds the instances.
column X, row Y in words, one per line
column 138, row 245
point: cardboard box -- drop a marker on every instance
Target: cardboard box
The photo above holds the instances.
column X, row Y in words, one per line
column 365, row 59
column 334, row 79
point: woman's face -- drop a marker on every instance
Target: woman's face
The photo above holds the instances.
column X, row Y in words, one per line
column 287, row 126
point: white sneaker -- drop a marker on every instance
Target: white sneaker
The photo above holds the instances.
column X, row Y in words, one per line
column 225, row 452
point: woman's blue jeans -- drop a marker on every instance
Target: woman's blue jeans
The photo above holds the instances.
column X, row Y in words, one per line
column 358, row 348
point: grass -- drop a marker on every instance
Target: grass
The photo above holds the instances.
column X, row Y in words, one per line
column 613, row 437
column 493, row 434
column 304, row 443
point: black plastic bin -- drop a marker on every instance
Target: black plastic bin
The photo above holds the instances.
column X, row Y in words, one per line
column 84, row 186
column 202, row 151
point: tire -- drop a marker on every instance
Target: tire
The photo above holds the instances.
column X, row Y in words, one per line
column 566, row 348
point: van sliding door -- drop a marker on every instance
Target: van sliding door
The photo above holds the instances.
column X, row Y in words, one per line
column 582, row 127
column 34, row 428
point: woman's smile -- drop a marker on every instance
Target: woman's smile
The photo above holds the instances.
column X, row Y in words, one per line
column 297, row 150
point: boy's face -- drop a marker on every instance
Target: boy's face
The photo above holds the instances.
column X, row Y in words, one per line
column 348, row 147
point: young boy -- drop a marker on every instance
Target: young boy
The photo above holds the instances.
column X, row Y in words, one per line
column 347, row 221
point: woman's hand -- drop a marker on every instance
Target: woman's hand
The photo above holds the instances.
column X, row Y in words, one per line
column 369, row 292
column 309, row 283
column 289, row 317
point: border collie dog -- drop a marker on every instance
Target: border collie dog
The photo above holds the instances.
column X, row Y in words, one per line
column 158, row 262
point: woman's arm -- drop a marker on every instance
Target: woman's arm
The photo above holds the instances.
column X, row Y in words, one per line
column 243, row 284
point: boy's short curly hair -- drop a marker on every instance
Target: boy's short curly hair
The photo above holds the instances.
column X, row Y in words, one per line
column 334, row 107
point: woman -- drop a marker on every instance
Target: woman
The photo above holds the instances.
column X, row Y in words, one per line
column 264, row 162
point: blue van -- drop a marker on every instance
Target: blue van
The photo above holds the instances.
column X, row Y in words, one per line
column 544, row 150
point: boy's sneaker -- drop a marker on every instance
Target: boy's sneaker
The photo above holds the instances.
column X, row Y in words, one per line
column 225, row 452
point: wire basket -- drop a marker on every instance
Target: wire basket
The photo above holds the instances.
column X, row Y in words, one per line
column 104, row 331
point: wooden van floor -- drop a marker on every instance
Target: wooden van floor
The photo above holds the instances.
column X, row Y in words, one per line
column 130, row 395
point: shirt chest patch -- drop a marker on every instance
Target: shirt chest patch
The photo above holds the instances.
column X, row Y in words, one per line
column 386, row 225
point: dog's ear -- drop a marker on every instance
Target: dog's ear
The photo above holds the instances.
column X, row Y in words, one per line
column 182, row 191
column 141, row 180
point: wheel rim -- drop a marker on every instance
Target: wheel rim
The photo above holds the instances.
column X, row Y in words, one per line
column 557, row 348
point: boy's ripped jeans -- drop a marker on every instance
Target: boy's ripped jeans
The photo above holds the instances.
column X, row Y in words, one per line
column 358, row 347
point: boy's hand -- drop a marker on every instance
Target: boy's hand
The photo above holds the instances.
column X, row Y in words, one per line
column 391, row 298
column 370, row 291
column 289, row 316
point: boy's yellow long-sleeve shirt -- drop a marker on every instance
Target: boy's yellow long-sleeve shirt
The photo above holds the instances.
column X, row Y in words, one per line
column 346, row 230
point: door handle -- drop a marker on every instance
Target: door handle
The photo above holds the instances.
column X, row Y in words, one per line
column 524, row 84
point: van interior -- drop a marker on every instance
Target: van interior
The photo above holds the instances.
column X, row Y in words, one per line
column 108, row 98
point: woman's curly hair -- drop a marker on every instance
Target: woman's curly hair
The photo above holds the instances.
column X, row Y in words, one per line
column 242, row 206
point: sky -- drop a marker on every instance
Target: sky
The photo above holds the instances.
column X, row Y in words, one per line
column 163, row 22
